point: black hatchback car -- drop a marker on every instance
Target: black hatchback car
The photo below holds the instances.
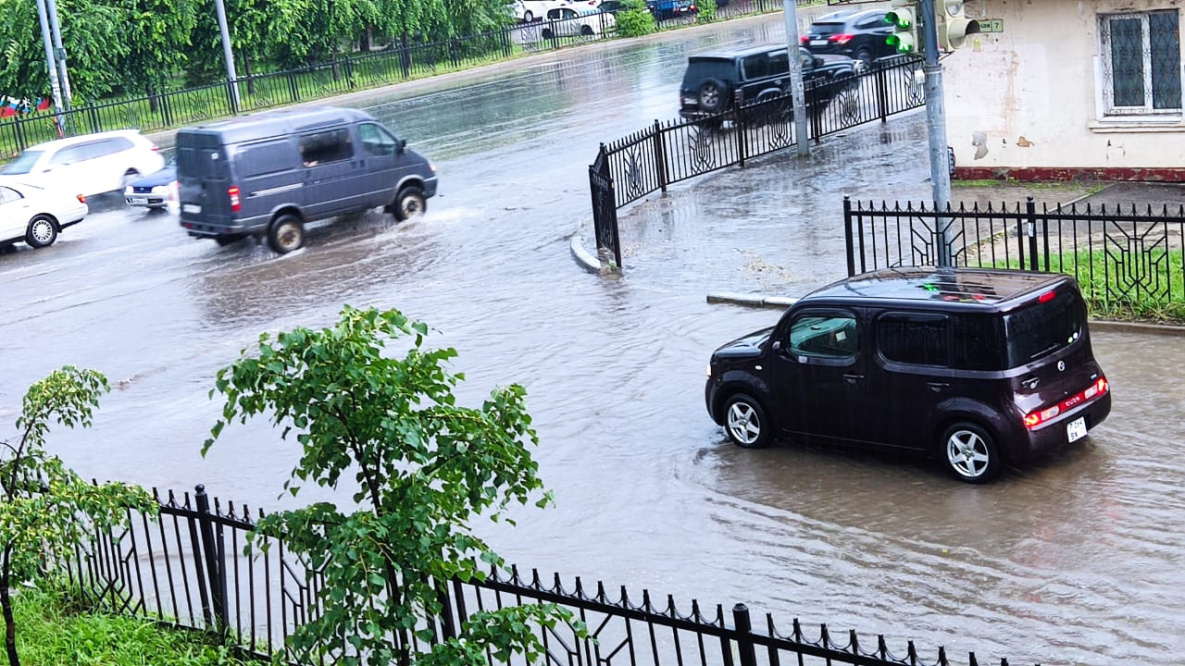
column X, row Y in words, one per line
column 860, row 35
column 713, row 82
column 978, row 368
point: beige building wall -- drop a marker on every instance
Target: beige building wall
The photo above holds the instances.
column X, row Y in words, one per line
column 1028, row 102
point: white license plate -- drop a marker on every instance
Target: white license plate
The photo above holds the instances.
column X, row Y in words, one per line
column 1077, row 429
column 137, row 200
column 818, row 42
column 191, row 208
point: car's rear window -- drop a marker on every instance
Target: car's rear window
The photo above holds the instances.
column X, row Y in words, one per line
column 827, row 28
column 1045, row 326
column 699, row 71
column 23, row 163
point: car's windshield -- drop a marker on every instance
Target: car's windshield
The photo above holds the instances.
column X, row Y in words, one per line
column 1044, row 327
column 22, row 164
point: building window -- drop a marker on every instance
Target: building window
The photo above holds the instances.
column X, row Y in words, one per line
column 1141, row 56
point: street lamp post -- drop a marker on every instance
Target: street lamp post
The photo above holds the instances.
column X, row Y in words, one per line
column 59, row 51
column 231, row 77
column 797, row 90
column 49, row 61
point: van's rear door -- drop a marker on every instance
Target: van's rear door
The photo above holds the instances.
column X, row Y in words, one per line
column 203, row 179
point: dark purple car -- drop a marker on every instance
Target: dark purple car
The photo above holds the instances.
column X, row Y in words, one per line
column 978, row 368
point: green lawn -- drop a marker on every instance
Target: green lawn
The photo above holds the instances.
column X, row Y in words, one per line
column 52, row 633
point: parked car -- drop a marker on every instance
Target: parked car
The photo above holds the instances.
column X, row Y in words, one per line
column 34, row 215
column 567, row 22
column 713, row 81
column 156, row 190
column 529, row 11
column 860, row 35
column 611, row 6
column 89, row 164
column 268, row 174
column 978, row 368
column 669, row 9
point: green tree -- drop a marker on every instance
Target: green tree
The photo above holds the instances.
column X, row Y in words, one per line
column 635, row 19
column 422, row 468
column 46, row 509
column 157, row 37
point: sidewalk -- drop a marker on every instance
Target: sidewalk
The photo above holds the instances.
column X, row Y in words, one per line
column 775, row 228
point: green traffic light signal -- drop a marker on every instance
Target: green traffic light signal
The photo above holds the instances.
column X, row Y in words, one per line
column 904, row 39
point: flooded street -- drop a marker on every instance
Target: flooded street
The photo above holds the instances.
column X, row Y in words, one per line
column 1072, row 561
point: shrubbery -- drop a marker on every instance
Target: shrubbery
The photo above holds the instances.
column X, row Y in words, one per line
column 707, row 11
column 635, row 20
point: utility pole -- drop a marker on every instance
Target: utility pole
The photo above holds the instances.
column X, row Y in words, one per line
column 49, row 61
column 936, row 127
column 59, row 52
column 797, row 90
column 229, row 54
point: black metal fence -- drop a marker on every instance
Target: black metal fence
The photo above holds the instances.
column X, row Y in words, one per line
column 186, row 567
column 1119, row 255
column 165, row 109
column 653, row 158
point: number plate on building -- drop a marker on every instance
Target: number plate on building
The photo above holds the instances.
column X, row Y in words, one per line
column 991, row 25
column 1077, row 429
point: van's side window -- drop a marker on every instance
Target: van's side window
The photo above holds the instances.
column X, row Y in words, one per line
column 917, row 339
column 325, row 147
column 829, row 335
column 376, row 140
column 261, row 159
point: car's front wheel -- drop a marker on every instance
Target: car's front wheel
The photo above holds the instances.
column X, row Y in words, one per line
column 42, row 232
column 746, row 423
column 971, row 454
column 286, row 234
column 410, row 203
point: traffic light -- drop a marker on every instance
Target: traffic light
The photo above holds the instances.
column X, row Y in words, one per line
column 953, row 25
column 903, row 16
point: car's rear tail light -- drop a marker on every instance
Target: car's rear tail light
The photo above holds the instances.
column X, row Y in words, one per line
column 81, row 199
column 156, row 149
column 235, row 204
column 1036, row 418
column 1046, row 297
column 804, row 39
column 840, row 39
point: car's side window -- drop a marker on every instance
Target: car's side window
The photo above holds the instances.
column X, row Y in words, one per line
column 376, row 140
column 824, row 334
column 755, row 66
column 914, row 338
column 67, row 156
column 8, row 195
column 325, row 147
column 875, row 21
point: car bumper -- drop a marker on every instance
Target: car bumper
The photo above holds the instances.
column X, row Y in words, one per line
column 147, row 200
column 429, row 187
column 710, row 399
column 1054, row 435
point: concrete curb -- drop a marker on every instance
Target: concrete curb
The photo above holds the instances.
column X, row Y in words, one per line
column 583, row 257
column 783, row 302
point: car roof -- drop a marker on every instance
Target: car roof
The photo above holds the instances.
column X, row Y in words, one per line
column 731, row 52
column 278, row 122
column 58, row 144
column 929, row 287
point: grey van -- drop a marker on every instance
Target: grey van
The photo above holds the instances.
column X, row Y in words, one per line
column 271, row 173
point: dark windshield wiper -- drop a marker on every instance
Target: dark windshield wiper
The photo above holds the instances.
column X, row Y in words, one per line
column 1045, row 351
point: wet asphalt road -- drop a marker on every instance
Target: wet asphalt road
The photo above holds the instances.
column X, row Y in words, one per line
column 1072, row 561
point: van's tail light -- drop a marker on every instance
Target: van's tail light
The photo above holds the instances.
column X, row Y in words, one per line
column 840, row 39
column 81, row 199
column 235, row 204
column 1036, row 418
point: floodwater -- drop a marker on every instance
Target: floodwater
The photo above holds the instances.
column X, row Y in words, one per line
column 1072, row 561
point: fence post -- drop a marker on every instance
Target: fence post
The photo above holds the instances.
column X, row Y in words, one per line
column 847, row 234
column 740, row 618
column 292, row 90
column 740, row 127
column 1031, row 216
column 214, row 550
column 882, row 101
column 660, row 165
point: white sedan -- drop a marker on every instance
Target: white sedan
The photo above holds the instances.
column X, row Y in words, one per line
column 35, row 216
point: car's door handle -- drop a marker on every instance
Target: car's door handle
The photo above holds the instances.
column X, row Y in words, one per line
column 938, row 386
column 852, row 379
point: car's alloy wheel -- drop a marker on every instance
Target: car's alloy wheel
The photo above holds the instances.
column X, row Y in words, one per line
column 711, row 96
column 410, row 203
column 42, row 232
column 971, row 453
column 745, row 422
column 286, row 234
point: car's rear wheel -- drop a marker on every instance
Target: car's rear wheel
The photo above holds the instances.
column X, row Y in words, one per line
column 285, row 234
column 712, row 95
column 410, row 203
column 746, row 423
column 864, row 55
column 971, row 454
column 546, row 33
column 586, row 30
column 42, row 232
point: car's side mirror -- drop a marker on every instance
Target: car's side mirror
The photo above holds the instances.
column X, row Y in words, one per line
column 777, row 346
column 401, row 146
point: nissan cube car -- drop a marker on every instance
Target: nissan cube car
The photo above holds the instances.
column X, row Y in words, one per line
column 978, row 368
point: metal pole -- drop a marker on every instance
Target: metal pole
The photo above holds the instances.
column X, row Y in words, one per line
column 49, row 62
column 936, row 128
column 797, row 90
column 231, row 77
column 59, row 51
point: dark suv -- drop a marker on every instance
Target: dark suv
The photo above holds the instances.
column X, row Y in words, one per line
column 859, row 35
column 713, row 81
column 978, row 368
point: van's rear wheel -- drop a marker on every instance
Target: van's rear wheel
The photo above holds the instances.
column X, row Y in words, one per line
column 970, row 453
column 410, row 203
column 286, row 234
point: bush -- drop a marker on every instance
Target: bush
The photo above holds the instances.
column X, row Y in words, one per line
column 635, row 20
column 707, row 11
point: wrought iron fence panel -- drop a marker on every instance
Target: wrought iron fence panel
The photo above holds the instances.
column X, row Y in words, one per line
column 767, row 126
column 604, row 205
column 633, row 165
column 693, row 148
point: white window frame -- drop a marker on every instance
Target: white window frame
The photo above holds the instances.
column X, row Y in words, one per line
column 1107, row 108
